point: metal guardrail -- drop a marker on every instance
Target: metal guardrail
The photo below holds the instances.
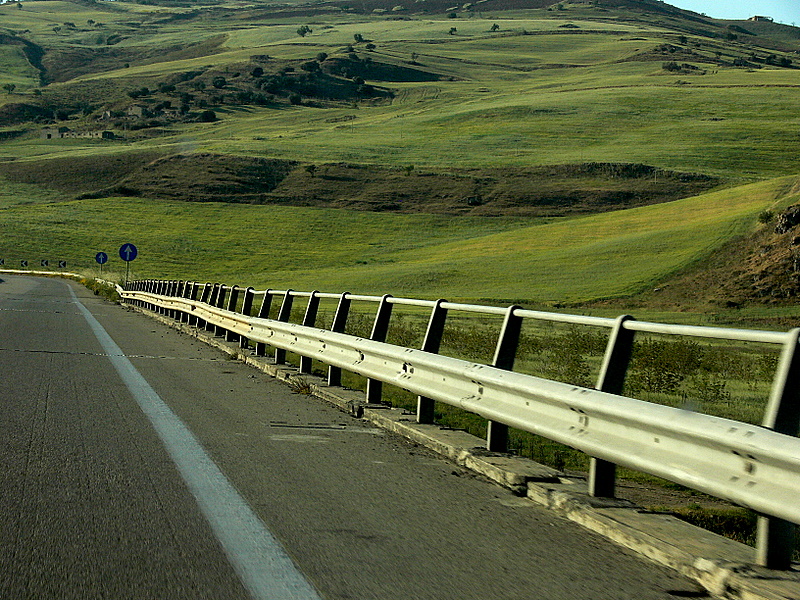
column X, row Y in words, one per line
column 757, row 467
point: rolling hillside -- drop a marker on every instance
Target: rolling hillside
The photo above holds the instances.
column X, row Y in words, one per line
column 502, row 134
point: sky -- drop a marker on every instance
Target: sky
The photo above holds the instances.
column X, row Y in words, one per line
column 783, row 11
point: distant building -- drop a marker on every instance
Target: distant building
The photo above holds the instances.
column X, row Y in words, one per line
column 56, row 133
column 136, row 111
column 760, row 18
column 53, row 133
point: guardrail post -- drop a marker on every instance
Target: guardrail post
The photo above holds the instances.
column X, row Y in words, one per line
column 158, row 288
column 263, row 313
column 338, row 326
column 190, row 293
column 284, row 313
column 431, row 343
column 187, row 293
column 233, row 300
column 212, row 301
column 309, row 320
column 220, row 303
column 204, row 296
column 164, row 291
column 504, row 356
column 168, row 287
column 247, row 308
column 177, row 292
column 602, row 473
column 776, row 537
column 380, row 329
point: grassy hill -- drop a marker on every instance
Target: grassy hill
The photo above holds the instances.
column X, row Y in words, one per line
column 468, row 128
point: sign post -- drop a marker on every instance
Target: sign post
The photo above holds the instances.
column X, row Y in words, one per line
column 128, row 252
column 101, row 258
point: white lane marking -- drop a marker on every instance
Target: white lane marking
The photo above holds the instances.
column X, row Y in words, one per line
column 262, row 564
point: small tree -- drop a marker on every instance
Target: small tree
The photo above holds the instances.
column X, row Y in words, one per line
column 358, row 38
column 304, row 30
column 9, row 87
column 219, row 82
column 495, row 27
column 453, row 31
column 322, row 57
column 311, row 169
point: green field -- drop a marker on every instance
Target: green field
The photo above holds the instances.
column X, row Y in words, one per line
column 574, row 260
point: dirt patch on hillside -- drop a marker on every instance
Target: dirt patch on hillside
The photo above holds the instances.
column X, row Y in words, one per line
column 79, row 174
column 202, row 178
column 542, row 191
column 762, row 267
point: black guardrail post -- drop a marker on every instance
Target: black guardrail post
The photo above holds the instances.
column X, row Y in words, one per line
column 431, row 343
column 504, row 356
column 775, row 538
column 380, row 329
column 263, row 313
column 602, row 473
column 212, row 301
column 247, row 309
column 163, row 291
column 220, row 303
column 191, row 319
column 338, row 326
column 233, row 300
column 309, row 320
column 177, row 287
column 186, row 295
column 284, row 313
column 205, row 295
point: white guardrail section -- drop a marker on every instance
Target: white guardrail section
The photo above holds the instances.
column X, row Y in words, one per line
column 752, row 466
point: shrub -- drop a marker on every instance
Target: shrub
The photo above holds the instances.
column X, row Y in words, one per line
column 661, row 366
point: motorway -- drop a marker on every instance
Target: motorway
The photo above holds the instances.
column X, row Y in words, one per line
column 139, row 463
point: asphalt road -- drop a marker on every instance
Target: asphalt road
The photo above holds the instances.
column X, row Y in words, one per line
column 139, row 463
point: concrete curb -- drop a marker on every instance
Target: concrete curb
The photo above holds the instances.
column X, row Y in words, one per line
column 722, row 566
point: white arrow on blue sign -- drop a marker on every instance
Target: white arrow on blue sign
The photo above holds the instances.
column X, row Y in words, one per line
column 128, row 252
column 101, row 257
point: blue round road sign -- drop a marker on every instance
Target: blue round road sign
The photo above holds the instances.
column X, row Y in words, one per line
column 101, row 257
column 128, row 252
